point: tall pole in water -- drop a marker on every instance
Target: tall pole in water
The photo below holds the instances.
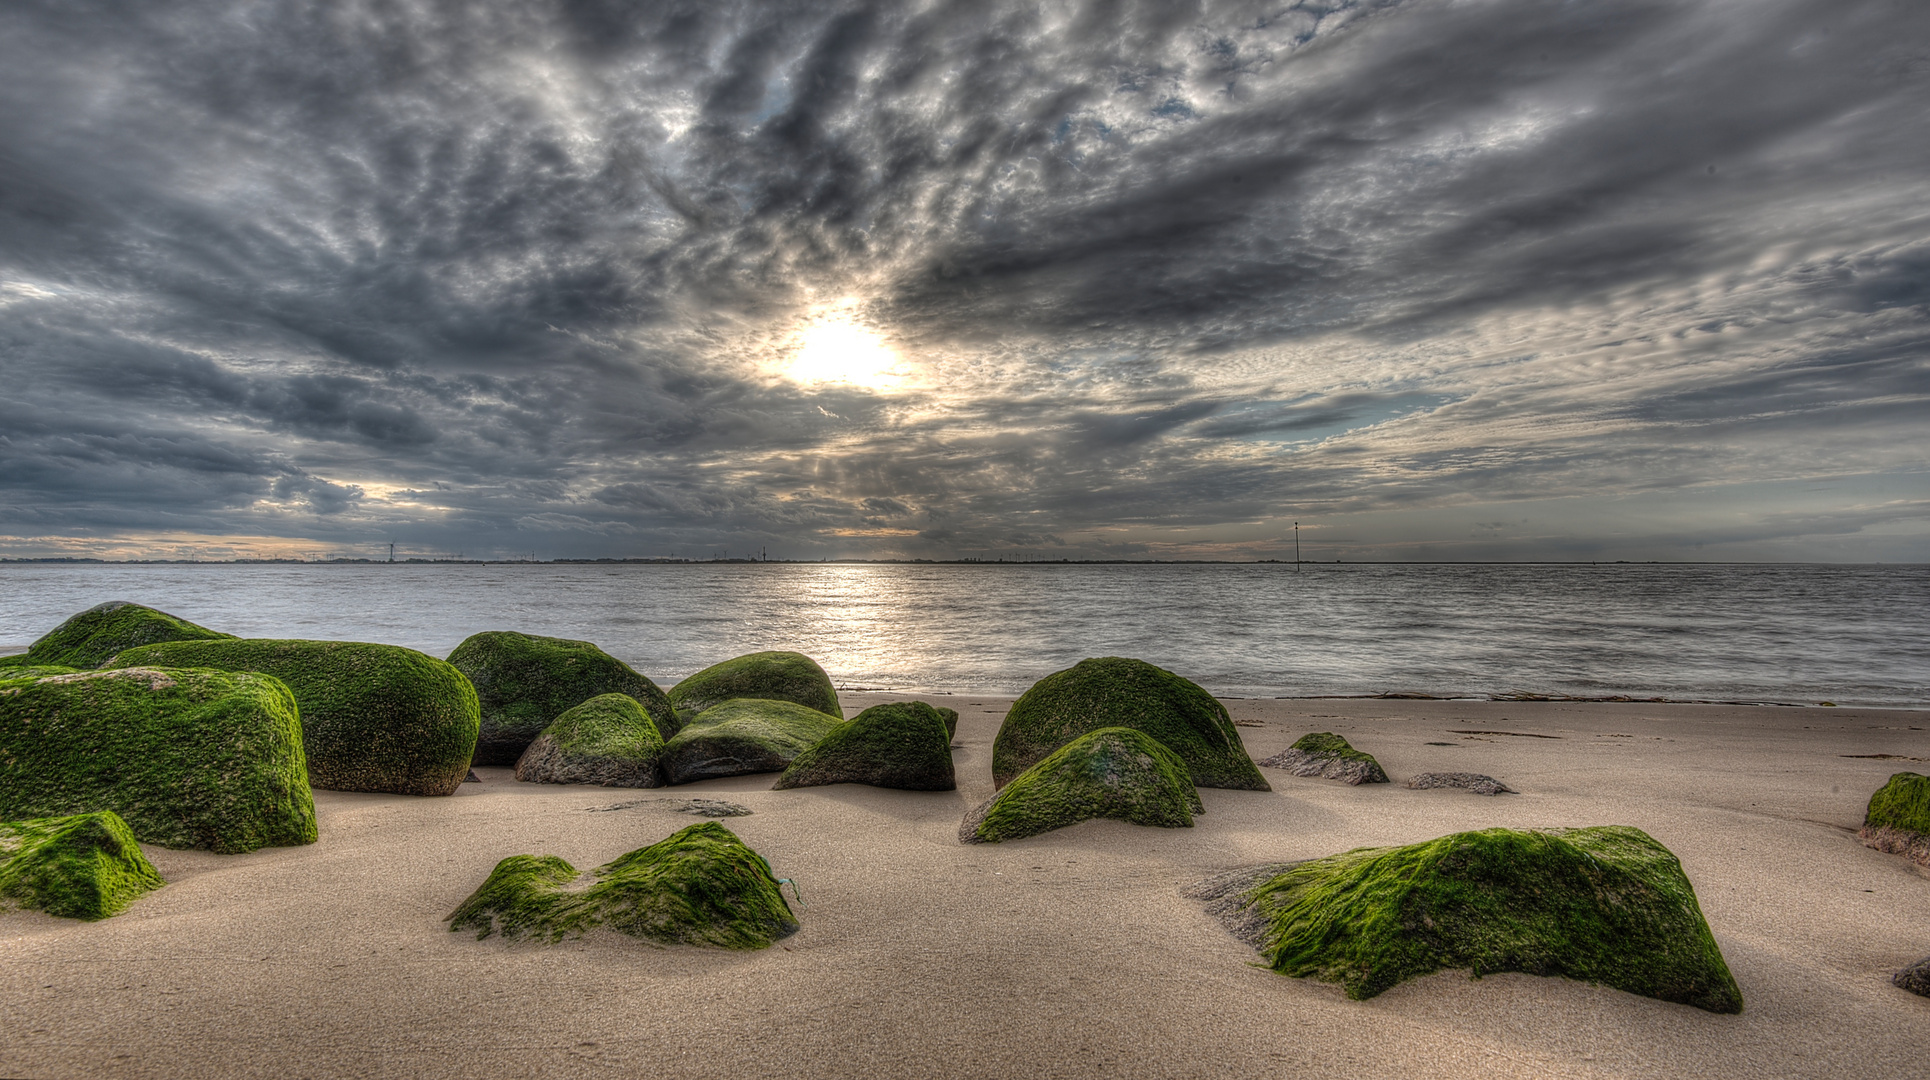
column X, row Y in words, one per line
column 1296, row 546
column 391, row 551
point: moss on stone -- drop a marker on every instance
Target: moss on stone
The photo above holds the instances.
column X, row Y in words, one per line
column 373, row 717
column 950, row 719
column 1898, row 818
column 774, row 676
column 82, row 866
column 1117, row 692
column 92, row 637
column 746, row 735
column 701, row 886
column 606, row 740
column 35, row 671
column 524, row 681
column 1604, row 905
column 901, row 744
column 189, row 758
column 1114, row 772
column 1326, row 754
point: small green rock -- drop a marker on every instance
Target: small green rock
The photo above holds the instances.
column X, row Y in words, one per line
column 1326, row 754
column 1114, row 772
column 701, row 886
column 92, row 637
column 1898, row 818
column 746, row 735
column 901, row 744
column 774, row 676
column 607, row 740
column 83, row 866
column 524, row 681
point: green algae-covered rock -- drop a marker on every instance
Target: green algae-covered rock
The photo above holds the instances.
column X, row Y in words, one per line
column 701, row 886
column 747, row 735
column 189, row 758
column 1114, row 772
column 1898, row 818
column 950, row 719
column 902, row 744
column 1117, row 692
column 775, row 676
column 1604, row 905
column 92, row 637
column 373, row 717
column 36, row 671
column 607, row 740
column 83, row 866
column 1326, row 754
column 523, row 682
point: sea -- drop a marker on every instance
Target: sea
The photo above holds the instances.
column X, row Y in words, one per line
column 1801, row 634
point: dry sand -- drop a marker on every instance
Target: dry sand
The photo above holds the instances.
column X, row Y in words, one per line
column 1068, row 954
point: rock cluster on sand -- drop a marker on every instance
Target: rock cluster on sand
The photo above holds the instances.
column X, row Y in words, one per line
column 701, row 886
column 189, row 758
column 1478, row 783
column 1326, row 754
column 92, row 637
column 901, row 744
column 607, row 740
column 523, row 682
column 82, row 866
column 1117, row 692
column 1915, row 978
column 743, row 735
column 771, row 676
column 1607, row 904
column 1114, row 772
column 373, row 717
column 1898, row 818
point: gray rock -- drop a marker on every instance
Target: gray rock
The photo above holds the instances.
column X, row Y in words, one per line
column 1475, row 782
column 1915, row 978
column 1329, row 756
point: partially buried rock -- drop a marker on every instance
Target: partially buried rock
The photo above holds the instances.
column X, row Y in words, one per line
column 702, row 886
column 523, row 682
column 903, row 744
column 750, row 735
column 1605, row 905
column 92, row 637
column 1898, row 818
column 374, row 717
column 607, row 740
column 1115, row 691
column 1475, row 782
column 190, row 758
column 1110, row 773
column 83, row 866
column 1328, row 755
column 771, row 676
column 1915, row 978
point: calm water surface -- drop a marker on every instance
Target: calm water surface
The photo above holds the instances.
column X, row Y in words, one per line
column 1850, row 634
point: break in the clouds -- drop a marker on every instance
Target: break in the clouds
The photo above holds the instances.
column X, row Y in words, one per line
column 1435, row 278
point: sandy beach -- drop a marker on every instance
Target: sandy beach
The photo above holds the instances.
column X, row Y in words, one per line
column 1071, row 954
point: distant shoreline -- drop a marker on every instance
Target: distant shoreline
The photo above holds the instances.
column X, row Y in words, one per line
column 73, row 561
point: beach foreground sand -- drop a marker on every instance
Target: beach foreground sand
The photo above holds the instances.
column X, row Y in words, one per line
column 1069, row 954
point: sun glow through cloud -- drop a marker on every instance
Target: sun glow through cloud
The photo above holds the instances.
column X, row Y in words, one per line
column 836, row 350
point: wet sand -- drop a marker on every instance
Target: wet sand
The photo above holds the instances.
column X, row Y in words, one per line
column 1071, row 954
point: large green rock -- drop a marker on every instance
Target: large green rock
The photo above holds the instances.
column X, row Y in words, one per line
column 83, row 866
column 902, row 744
column 189, row 758
column 1605, row 905
column 1114, row 772
column 373, row 717
column 774, row 676
column 92, row 637
column 523, row 682
column 1117, row 692
column 746, row 735
column 1898, row 818
column 701, row 886
column 607, row 740
column 1326, row 754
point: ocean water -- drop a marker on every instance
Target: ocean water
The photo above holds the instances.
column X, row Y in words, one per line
column 1848, row 634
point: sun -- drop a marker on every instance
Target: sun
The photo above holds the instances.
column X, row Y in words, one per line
column 837, row 351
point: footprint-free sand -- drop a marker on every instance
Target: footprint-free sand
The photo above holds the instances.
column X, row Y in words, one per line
column 1071, row 954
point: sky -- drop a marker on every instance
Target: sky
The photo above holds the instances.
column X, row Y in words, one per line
column 1434, row 279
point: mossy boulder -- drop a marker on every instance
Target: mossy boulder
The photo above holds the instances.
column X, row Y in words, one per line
column 902, row 744
column 773, row 676
column 524, row 681
column 373, row 717
column 1604, row 905
column 1114, row 772
column 92, row 637
column 1117, row 692
column 188, row 758
column 1898, row 818
column 1326, row 754
column 607, row 740
column 747, row 735
column 82, row 866
column 701, row 886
